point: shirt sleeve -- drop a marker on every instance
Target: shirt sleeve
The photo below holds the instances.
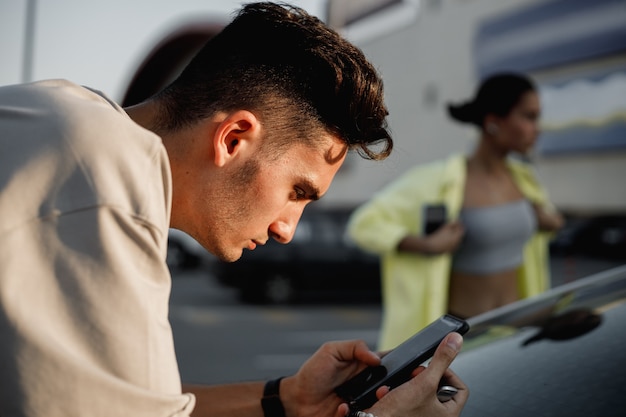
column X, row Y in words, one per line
column 395, row 212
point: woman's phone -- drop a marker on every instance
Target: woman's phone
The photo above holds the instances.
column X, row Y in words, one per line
column 435, row 216
column 397, row 366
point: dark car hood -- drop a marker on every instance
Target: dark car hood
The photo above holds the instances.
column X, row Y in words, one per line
column 562, row 353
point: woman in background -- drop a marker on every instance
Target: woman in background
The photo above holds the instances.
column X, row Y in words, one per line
column 493, row 246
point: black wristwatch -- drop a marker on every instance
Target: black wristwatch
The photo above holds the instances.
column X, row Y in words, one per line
column 271, row 403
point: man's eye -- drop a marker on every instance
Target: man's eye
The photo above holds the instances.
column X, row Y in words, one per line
column 300, row 193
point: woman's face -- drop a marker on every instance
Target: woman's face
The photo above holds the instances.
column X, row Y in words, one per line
column 518, row 131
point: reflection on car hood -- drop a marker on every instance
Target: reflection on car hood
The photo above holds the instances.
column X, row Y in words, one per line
column 560, row 354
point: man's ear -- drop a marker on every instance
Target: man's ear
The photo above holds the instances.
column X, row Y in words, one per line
column 237, row 133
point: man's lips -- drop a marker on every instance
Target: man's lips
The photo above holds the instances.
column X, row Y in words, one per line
column 254, row 243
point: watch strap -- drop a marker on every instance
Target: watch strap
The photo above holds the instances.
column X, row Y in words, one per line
column 271, row 403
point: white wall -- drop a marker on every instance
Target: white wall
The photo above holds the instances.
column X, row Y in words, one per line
column 425, row 60
column 424, row 66
column 100, row 43
column 428, row 64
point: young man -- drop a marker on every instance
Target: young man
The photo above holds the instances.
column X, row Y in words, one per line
column 254, row 129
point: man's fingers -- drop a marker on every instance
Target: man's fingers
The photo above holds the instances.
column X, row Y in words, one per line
column 450, row 378
column 418, row 370
column 447, row 350
column 342, row 410
column 382, row 391
column 363, row 353
column 351, row 350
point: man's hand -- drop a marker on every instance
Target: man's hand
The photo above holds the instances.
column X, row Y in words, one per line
column 418, row 396
column 310, row 393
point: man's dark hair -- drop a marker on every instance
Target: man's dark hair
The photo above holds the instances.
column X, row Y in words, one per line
column 296, row 74
column 497, row 94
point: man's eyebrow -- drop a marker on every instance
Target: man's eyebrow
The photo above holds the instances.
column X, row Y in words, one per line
column 313, row 193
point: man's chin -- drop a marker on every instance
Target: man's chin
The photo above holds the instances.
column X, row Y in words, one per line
column 230, row 256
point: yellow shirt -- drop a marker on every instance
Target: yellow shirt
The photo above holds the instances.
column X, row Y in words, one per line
column 415, row 287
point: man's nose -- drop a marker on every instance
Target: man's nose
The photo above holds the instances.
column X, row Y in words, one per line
column 283, row 229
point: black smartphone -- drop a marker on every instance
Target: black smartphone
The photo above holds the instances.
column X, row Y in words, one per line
column 435, row 216
column 397, row 366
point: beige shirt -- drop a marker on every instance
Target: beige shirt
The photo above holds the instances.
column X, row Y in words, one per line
column 85, row 197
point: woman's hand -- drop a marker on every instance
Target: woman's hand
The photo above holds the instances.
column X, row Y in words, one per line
column 548, row 219
column 444, row 240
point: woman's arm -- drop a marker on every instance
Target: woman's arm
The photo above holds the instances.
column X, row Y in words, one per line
column 443, row 240
column 548, row 218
